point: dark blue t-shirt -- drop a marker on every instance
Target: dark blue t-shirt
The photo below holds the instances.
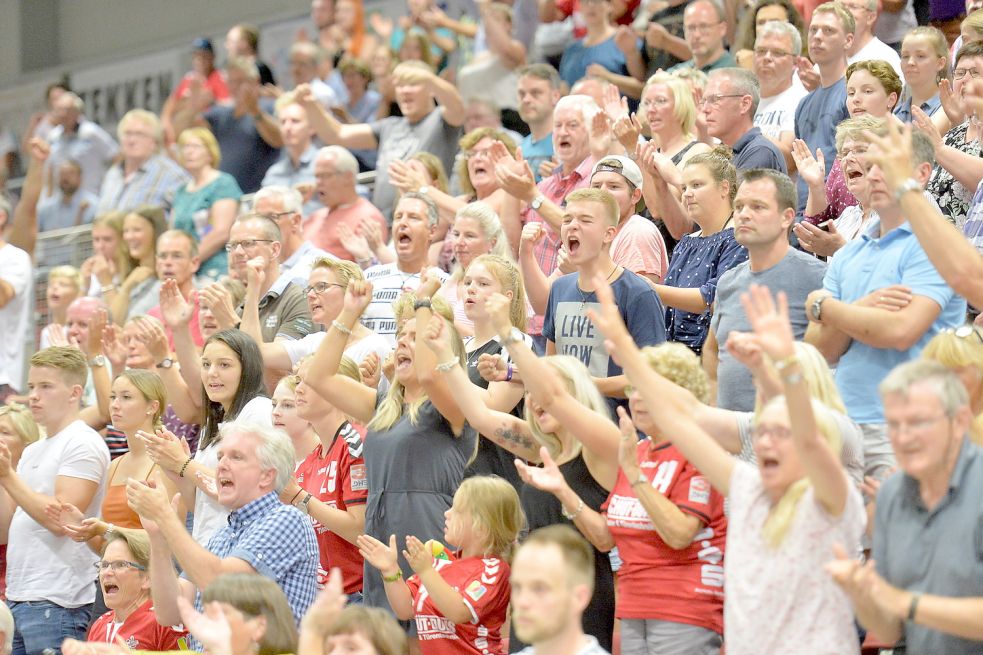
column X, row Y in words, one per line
column 816, row 119
column 245, row 155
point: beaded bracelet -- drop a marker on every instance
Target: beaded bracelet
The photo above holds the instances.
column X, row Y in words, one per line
column 341, row 327
column 185, row 467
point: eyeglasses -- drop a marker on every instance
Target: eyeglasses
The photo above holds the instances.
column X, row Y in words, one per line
column 964, row 332
column 960, row 73
column 275, row 216
column 714, row 100
column 856, row 152
column 771, row 52
column 655, row 102
column 247, row 244
column 776, row 432
column 700, row 27
column 320, row 287
column 918, row 425
column 470, row 154
column 119, row 565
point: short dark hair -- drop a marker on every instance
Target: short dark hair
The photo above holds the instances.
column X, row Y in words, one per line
column 543, row 72
column 785, row 193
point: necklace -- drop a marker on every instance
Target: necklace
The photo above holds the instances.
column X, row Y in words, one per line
column 584, row 296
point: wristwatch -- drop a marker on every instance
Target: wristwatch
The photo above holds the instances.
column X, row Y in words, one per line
column 537, row 202
column 816, row 309
column 911, row 184
column 424, row 190
column 514, row 336
column 304, row 504
column 98, row 360
column 167, row 362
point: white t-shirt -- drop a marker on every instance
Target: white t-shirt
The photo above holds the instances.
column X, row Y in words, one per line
column 301, row 348
column 877, row 49
column 388, row 284
column 209, row 515
column 15, row 269
column 776, row 114
column 40, row 565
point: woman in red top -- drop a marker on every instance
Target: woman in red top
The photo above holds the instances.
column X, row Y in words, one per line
column 663, row 516
column 125, row 583
column 459, row 600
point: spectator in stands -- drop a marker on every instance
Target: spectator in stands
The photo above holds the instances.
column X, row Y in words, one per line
column 728, row 104
column 709, row 185
column 925, row 57
column 306, row 60
column 552, row 587
column 109, row 262
column 432, row 115
column 42, row 122
column 178, row 260
column 786, row 513
column 145, row 176
column 538, row 92
column 74, row 137
column 755, row 18
column 207, row 205
column 335, row 171
column 285, row 418
column 415, row 220
column 17, row 431
column 841, row 314
column 140, row 289
column 402, row 500
column 616, row 50
column 63, row 286
column 51, row 597
column 124, row 580
column 247, row 133
column 16, row 307
column 778, row 46
column 931, row 608
column 960, row 351
column 957, row 173
column 830, row 35
column 704, row 27
column 71, row 205
column 263, row 535
column 866, row 46
column 254, row 249
column 295, row 168
column 350, row 628
column 242, row 42
column 362, row 105
column 204, row 73
column 283, row 206
column 764, row 211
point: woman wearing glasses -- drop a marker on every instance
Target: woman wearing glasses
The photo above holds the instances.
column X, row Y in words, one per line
column 207, row 205
column 124, row 580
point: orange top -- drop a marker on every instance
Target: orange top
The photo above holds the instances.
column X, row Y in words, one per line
column 115, row 510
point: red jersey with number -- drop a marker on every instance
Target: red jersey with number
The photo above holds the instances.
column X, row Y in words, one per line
column 656, row 581
column 336, row 476
column 484, row 585
column 140, row 631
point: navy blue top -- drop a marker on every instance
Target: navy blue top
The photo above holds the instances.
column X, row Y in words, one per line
column 816, row 119
column 699, row 261
column 755, row 150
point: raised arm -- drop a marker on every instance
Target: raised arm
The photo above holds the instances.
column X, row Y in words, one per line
column 351, row 397
column 328, row 129
column 24, row 223
column 672, row 420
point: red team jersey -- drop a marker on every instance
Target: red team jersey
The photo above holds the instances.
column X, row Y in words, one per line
column 484, row 585
column 337, row 478
column 656, row 581
column 140, row 631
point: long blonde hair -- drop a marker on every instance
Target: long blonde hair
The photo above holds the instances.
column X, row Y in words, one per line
column 581, row 387
column 782, row 514
column 510, row 277
column 496, row 513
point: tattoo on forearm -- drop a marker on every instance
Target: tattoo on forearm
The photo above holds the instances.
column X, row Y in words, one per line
column 504, row 436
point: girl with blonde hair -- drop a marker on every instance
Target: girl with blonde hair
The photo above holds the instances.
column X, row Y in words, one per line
column 786, row 513
column 470, row 586
column 110, row 263
column 961, row 350
column 65, row 284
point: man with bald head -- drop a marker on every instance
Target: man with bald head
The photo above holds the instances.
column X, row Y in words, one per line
column 704, row 28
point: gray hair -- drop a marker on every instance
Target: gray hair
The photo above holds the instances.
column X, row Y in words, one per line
column 275, row 452
column 432, row 212
column 290, row 199
column 744, row 82
column 941, row 381
column 582, row 103
column 344, row 161
column 271, row 230
column 783, row 28
column 313, row 52
column 7, row 628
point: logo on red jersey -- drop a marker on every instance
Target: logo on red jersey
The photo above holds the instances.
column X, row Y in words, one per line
column 699, row 490
column 475, row 590
column 359, row 480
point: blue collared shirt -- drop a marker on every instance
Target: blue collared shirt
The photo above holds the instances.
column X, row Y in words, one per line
column 930, row 106
column 284, row 173
column 154, row 183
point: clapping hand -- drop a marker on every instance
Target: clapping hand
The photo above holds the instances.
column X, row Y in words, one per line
column 327, row 606
column 420, row 557
column 812, row 169
column 628, row 446
column 546, row 478
column 219, row 302
column 211, row 628
column 381, row 556
column 174, row 308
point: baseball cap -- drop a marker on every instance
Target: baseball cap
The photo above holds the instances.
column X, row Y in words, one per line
column 621, row 165
column 202, row 44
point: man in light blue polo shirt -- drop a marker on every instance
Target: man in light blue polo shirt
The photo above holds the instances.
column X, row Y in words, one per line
column 865, row 328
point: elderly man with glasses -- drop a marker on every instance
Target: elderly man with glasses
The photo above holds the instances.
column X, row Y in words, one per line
column 704, row 28
column 284, row 206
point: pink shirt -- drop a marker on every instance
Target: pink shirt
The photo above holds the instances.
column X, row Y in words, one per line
column 639, row 247
column 321, row 228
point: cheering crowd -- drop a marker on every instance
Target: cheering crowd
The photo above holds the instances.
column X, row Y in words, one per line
column 655, row 334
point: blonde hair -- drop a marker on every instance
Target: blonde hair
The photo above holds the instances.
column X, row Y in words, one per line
column 510, row 277
column 69, row 273
column 684, row 107
column 975, row 22
column 601, row 196
column 939, row 43
column 679, row 365
column 114, row 221
column 151, row 387
column 847, row 21
column 22, row 421
column 782, row 513
column 718, row 164
column 69, row 361
column 694, row 77
column 470, row 140
column 491, row 228
column 956, row 352
column 344, row 270
column 581, row 386
column 435, row 169
column 207, row 139
column 391, row 408
column 148, row 118
column 136, row 540
column 496, row 513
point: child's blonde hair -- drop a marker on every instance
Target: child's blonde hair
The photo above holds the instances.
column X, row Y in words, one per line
column 496, row 513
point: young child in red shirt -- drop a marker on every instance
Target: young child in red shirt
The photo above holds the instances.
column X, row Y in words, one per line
column 458, row 599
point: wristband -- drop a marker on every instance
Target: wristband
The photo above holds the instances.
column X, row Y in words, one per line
column 446, row 366
column 508, row 373
column 421, row 303
column 341, row 327
column 299, row 491
column 393, row 578
column 107, row 288
column 784, row 363
column 185, row 467
column 913, row 608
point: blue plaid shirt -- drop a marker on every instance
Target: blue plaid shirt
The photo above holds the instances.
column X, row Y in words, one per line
column 279, row 542
column 154, row 183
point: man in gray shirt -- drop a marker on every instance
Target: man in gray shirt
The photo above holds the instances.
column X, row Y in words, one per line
column 764, row 210
column 924, row 587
